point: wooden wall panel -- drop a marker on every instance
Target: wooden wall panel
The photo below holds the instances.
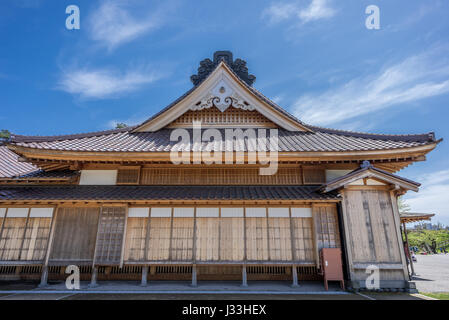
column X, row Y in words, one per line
column 12, row 238
column 303, row 239
column 182, row 239
column 232, row 241
column 372, row 234
column 279, row 238
column 110, row 235
column 159, row 239
column 386, row 227
column 136, row 235
column 207, row 239
column 75, row 233
column 257, row 239
column 36, row 239
column 360, row 236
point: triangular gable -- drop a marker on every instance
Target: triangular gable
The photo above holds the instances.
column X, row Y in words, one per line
column 368, row 171
column 222, row 89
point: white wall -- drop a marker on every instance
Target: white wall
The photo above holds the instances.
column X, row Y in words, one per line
column 301, row 212
column 138, row 212
column 207, row 212
column 98, row 177
column 41, row 212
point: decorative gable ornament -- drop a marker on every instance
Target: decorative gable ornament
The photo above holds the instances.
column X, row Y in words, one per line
column 222, row 96
column 238, row 67
column 222, row 83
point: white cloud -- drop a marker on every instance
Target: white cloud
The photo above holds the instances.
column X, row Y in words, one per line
column 432, row 197
column 413, row 79
column 104, row 83
column 278, row 12
column 112, row 24
column 317, row 9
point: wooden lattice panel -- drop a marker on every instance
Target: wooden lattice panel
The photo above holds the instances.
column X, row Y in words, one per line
column 326, row 227
column 229, row 118
column 159, row 239
column 219, row 176
column 182, row 239
column 303, row 239
column 12, row 238
column 136, row 235
column 207, row 239
column 257, row 239
column 128, row 176
column 110, row 235
column 232, row 239
column 279, row 239
column 36, row 238
column 314, row 176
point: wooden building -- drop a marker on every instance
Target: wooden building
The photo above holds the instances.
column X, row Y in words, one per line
column 115, row 204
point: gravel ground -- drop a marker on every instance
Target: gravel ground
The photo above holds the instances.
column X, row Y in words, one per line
column 432, row 273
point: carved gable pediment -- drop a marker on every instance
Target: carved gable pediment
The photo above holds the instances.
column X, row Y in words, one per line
column 220, row 90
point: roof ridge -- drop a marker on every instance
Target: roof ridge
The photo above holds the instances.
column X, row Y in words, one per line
column 428, row 137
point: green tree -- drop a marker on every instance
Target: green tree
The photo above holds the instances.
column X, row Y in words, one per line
column 4, row 134
column 120, row 125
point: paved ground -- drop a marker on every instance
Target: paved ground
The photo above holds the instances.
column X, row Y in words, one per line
column 432, row 273
column 182, row 291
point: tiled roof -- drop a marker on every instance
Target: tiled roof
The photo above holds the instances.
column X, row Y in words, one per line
column 365, row 169
column 126, row 141
column 10, row 165
column 45, row 175
column 163, row 193
column 415, row 216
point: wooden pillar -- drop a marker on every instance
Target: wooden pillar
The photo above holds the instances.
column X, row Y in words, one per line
column 44, row 277
column 144, row 281
column 122, row 251
column 408, row 250
column 194, row 282
column 295, row 277
column 244, row 277
column 397, row 222
column 93, row 279
column 24, row 233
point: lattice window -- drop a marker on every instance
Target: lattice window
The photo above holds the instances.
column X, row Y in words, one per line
column 314, row 176
column 182, row 239
column 219, row 176
column 110, row 235
column 214, row 117
column 326, row 226
column 303, row 239
column 129, row 175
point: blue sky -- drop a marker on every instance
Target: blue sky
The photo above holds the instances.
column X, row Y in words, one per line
column 315, row 58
